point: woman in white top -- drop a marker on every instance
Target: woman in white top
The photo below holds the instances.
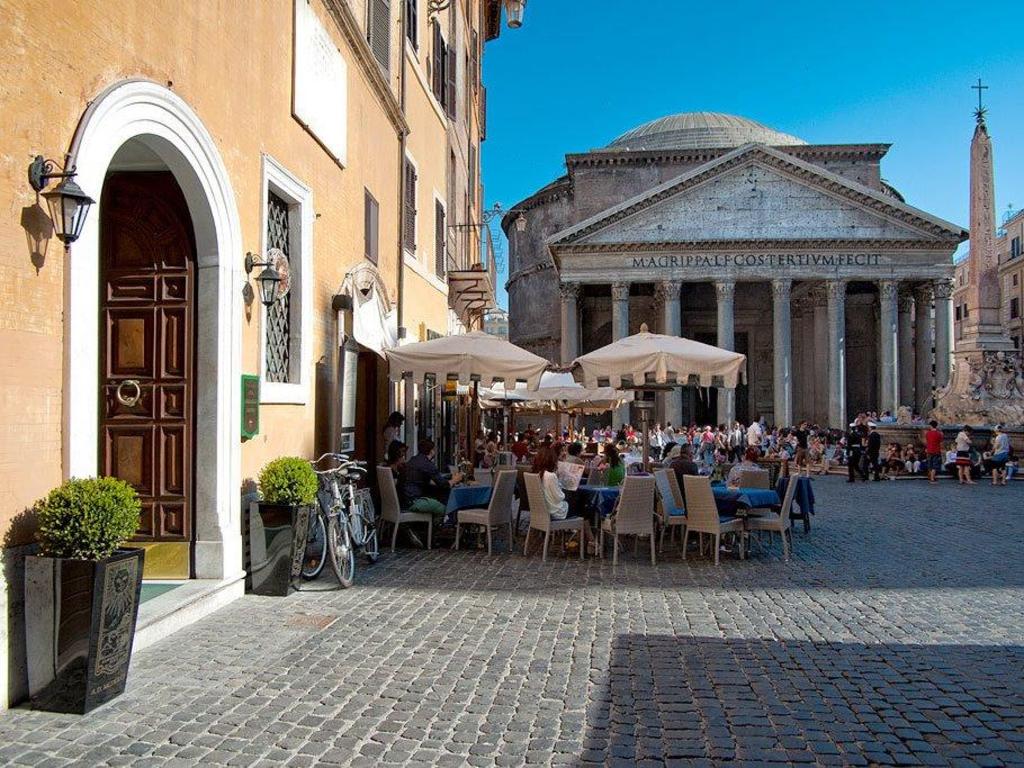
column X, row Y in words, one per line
column 963, row 456
column 546, row 465
column 1000, row 455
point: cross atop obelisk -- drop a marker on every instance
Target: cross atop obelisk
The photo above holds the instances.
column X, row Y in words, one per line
column 979, row 113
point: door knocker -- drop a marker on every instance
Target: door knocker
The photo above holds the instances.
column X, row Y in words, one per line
column 128, row 400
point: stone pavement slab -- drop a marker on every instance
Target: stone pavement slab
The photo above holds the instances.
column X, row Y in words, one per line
column 894, row 636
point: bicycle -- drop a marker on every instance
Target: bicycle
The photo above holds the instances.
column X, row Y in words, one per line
column 344, row 521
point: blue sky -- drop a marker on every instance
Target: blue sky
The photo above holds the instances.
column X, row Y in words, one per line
column 580, row 72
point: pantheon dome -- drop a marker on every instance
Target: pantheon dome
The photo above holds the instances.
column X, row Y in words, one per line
column 701, row 130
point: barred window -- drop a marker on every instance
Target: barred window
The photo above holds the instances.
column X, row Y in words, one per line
column 279, row 325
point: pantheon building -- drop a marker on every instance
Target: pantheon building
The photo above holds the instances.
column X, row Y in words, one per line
column 720, row 229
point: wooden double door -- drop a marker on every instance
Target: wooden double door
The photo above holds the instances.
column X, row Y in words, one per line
column 147, row 359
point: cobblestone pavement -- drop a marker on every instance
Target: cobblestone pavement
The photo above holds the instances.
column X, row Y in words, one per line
column 894, row 636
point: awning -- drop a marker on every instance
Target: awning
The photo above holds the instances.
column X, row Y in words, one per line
column 374, row 320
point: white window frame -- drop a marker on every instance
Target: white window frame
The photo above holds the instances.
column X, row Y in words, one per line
column 286, row 185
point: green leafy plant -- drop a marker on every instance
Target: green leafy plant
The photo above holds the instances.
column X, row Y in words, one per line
column 87, row 518
column 288, row 480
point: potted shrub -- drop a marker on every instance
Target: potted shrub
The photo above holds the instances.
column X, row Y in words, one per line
column 276, row 526
column 82, row 595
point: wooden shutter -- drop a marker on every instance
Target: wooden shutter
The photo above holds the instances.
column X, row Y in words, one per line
column 378, row 32
column 371, row 227
column 409, row 222
column 438, row 61
column 439, row 238
column 474, row 76
column 449, row 87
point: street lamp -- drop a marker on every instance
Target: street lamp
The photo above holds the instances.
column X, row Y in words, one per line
column 514, row 10
column 67, row 202
column 269, row 280
column 488, row 216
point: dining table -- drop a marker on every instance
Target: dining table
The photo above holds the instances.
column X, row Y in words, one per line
column 743, row 501
column 803, row 498
column 467, row 496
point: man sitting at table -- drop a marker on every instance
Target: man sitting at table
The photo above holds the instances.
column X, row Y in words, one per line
column 421, row 486
column 749, row 464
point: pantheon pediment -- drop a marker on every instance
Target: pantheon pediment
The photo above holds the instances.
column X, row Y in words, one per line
column 756, row 193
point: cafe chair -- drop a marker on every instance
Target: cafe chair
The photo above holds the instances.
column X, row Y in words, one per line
column 778, row 523
column 670, row 510
column 597, row 477
column 634, row 515
column 498, row 513
column 391, row 511
column 702, row 514
column 540, row 520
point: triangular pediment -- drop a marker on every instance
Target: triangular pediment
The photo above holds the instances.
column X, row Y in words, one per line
column 758, row 193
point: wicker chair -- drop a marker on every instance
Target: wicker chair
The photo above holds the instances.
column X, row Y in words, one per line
column 670, row 509
column 597, row 477
column 778, row 523
column 634, row 515
column 750, row 478
column 702, row 514
column 391, row 511
column 540, row 520
column 498, row 512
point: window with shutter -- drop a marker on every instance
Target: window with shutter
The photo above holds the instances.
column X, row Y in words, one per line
column 409, row 215
column 474, row 76
column 412, row 22
column 439, row 238
column 437, row 56
column 449, row 73
column 378, row 32
column 472, row 175
column 371, row 225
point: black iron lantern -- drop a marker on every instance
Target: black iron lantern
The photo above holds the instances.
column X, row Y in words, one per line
column 67, row 203
column 268, row 280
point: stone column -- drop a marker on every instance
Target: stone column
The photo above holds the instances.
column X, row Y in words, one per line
column 924, row 333
column 726, row 290
column 620, row 329
column 819, row 370
column 782, row 344
column 570, row 293
column 888, row 394
column 943, row 290
column 905, row 348
column 836, row 353
column 667, row 293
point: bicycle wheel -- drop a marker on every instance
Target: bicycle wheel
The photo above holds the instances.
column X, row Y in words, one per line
column 316, row 548
column 343, row 554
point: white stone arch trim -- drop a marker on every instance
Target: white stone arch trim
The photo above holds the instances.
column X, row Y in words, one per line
column 151, row 113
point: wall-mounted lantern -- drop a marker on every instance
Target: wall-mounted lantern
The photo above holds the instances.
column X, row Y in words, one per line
column 272, row 280
column 514, row 10
column 67, row 203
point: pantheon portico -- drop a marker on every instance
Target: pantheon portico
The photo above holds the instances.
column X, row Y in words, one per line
column 719, row 229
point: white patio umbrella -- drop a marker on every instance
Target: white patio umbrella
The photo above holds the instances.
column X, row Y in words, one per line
column 655, row 360
column 475, row 356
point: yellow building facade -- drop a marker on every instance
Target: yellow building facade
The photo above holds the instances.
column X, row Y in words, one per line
column 205, row 132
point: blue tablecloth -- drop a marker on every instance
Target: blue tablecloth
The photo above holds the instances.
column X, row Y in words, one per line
column 802, row 498
column 729, row 500
column 468, row 497
column 598, row 499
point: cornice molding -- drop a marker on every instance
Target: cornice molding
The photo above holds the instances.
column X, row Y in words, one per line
column 599, row 157
column 348, row 25
column 751, row 245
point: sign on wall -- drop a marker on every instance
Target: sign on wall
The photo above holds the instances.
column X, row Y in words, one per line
column 320, row 86
column 349, row 383
column 250, row 406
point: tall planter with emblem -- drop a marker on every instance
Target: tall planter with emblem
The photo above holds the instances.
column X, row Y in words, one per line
column 82, row 595
column 276, row 527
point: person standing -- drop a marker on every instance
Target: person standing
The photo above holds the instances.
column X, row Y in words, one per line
column 1000, row 455
column 755, row 435
column 933, row 450
column 801, row 435
column 855, row 439
column 963, row 455
column 874, row 450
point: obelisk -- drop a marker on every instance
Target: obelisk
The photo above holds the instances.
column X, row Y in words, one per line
column 987, row 385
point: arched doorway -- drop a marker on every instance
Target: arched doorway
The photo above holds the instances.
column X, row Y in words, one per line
column 135, row 127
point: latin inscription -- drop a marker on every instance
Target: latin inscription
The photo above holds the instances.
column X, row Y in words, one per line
column 758, row 260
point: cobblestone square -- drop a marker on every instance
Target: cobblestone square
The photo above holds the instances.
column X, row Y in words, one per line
column 895, row 636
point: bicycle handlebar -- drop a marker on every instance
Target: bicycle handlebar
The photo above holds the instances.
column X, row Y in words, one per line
column 344, row 464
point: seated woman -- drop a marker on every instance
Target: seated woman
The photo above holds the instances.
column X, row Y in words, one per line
column 555, row 498
column 911, row 463
column 396, row 456
column 615, row 465
column 893, row 461
column 749, row 464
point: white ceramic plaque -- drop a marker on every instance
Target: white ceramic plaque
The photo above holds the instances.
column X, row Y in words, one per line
column 320, row 87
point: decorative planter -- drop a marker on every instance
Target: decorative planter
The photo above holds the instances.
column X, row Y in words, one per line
column 79, row 627
column 275, row 542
